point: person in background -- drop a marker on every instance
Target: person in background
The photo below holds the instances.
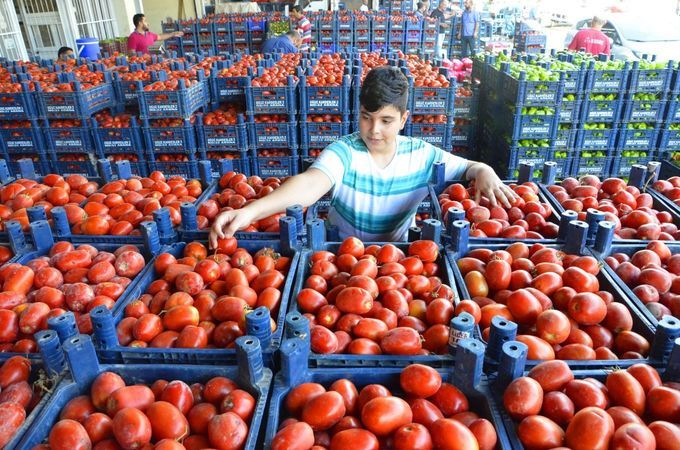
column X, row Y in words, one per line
column 65, row 54
column 303, row 26
column 422, row 10
column 592, row 39
column 444, row 17
column 286, row 43
column 469, row 30
column 141, row 39
column 364, row 6
column 376, row 177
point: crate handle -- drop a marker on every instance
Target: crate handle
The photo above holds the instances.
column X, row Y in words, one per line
column 673, row 367
column 42, row 235
column 124, row 170
column 188, row 212
column 105, row 336
column 549, row 173
column 161, row 217
column 51, row 352
column 439, row 175
column 258, row 325
column 593, row 218
column 36, row 213
column 452, row 215
column 17, row 239
column 575, row 242
column 432, row 230
column 526, row 172
column 468, row 365
column 27, row 169
column 512, row 362
column 205, row 172
column 460, row 236
column 287, row 235
column 637, row 176
column 461, row 327
column 297, row 325
column 296, row 213
column 152, row 241
column 249, row 357
column 61, row 226
column 226, row 165
column 604, row 237
column 82, row 359
column 294, row 364
column 414, row 234
column 667, row 331
column 64, row 325
column 316, row 232
column 502, row 331
column 566, row 217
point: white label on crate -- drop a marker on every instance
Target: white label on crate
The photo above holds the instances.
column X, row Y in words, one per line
column 265, row 139
column 324, row 103
column 11, row 109
column 117, row 144
column 17, row 144
column 600, row 114
column 130, row 96
column 455, row 336
column 231, row 92
column 673, row 143
column 461, row 111
column 535, row 161
column 595, row 142
column 431, row 104
column 560, row 143
column 607, row 84
column 425, row 204
column 590, row 169
column 319, row 138
column 222, row 141
column 644, row 115
column 565, row 115
column 270, row 104
column 537, row 130
column 434, row 140
column 548, row 96
column 570, row 84
column 638, row 142
column 176, row 143
column 64, row 108
column 650, row 83
column 459, row 138
column 158, row 108
column 74, row 143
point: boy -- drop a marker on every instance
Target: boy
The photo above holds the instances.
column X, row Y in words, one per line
column 302, row 26
column 377, row 178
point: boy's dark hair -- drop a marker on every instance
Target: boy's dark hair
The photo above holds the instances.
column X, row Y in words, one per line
column 296, row 8
column 384, row 86
column 63, row 50
column 136, row 19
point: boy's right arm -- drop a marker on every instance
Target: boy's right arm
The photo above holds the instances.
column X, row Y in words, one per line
column 303, row 189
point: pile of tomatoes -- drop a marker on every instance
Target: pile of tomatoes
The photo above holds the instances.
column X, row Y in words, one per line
column 236, row 192
column 328, row 71
column 168, row 415
column 277, row 75
column 632, row 212
column 240, row 68
column 556, row 300
column 669, row 188
column 424, row 74
column 66, row 279
column 435, row 414
column 73, row 157
column 120, row 206
column 633, row 408
column 201, row 301
column 226, row 115
column 377, row 300
column 527, row 218
column 18, row 397
column 170, row 122
column 171, row 85
column 651, row 273
column 123, row 157
column 106, row 120
column 370, row 61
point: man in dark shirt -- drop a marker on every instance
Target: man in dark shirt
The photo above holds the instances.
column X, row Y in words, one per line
column 469, row 29
column 286, row 43
column 442, row 14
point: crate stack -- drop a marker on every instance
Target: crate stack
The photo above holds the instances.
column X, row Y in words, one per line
column 414, row 35
column 529, row 40
column 167, row 112
column 257, row 32
column 669, row 135
column 189, row 40
column 118, row 137
column 172, row 44
column 519, row 115
column 239, row 34
column 66, row 110
column 642, row 115
column 344, row 32
column 396, row 37
column 271, row 108
column 430, row 33
column 362, row 32
column 223, row 42
column 380, row 25
column 597, row 133
column 324, row 104
column 326, row 32
column 463, row 133
column 21, row 135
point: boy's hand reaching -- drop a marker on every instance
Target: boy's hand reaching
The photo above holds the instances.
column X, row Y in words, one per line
column 229, row 222
column 488, row 184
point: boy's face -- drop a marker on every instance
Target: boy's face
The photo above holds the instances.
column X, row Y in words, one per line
column 379, row 129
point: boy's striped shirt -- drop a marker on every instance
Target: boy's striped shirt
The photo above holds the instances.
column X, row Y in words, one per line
column 305, row 26
column 377, row 204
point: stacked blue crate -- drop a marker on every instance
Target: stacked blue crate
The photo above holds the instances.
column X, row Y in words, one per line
column 222, row 37
column 362, row 33
column 380, row 25
column 669, row 134
column 121, row 142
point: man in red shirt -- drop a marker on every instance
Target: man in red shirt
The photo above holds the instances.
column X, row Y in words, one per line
column 592, row 39
column 141, row 39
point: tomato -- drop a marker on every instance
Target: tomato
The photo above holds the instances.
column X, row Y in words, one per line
column 427, row 251
column 420, row 381
column 634, row 436
column 646, row 375
column 552, row 375
column 69, row 434
column 553, row 326
column 625, row 390
column 401, row 341
column 540, row 432
column 412, row 436
column 296, row 436
column 358, row 439
column 352, row 246
column 227, row 431
column 349, row 393
column 590, row 429
column 103, row 386
column 199, row 416
column 622, row 415
column 667, row 435
column 137, row 397
column 239, row 402
column 449, row 434
column 166, row 421
column 324, row 410
column 523, row 397
column 663, row 403
column 383, row 415
column 476, row 284
column 16, row 369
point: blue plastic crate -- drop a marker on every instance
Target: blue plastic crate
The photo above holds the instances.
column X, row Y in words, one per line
column 227, row 89
column 466, row 107
column 18, row 106
column 275, row 166
column 248, row 374
column 220, row 138
column 564, row 138
column 574, row 81
column 643, row 111
column 466, row 375
column 600, row 139
column 530, row 93
column 637, row 139
column 427, row 100
column 24, row 139
column 564, row 166
column 669, row 140
column 272, row 100
column 126, row 91
column 621, row 165
column 110, row 141
column 320, row 134
column 68, row 139
column 437, row 134
column 181, row 103
column 110, row 350
column 41, row 162
column 186, row 169
column 607, row 111
column 86, row 168
column 272, row 134
column 463, row 135
column 79, row 104
column 649, row 80
column 614, row 80
column 180, row 139
column 324, row 99
column 607, row 283
column 570, row 111
column 596, row 165
column 673, row 112
column 524, row 126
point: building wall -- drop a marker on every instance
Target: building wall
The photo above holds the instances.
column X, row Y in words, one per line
column 156, row 11
column 124, row 10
